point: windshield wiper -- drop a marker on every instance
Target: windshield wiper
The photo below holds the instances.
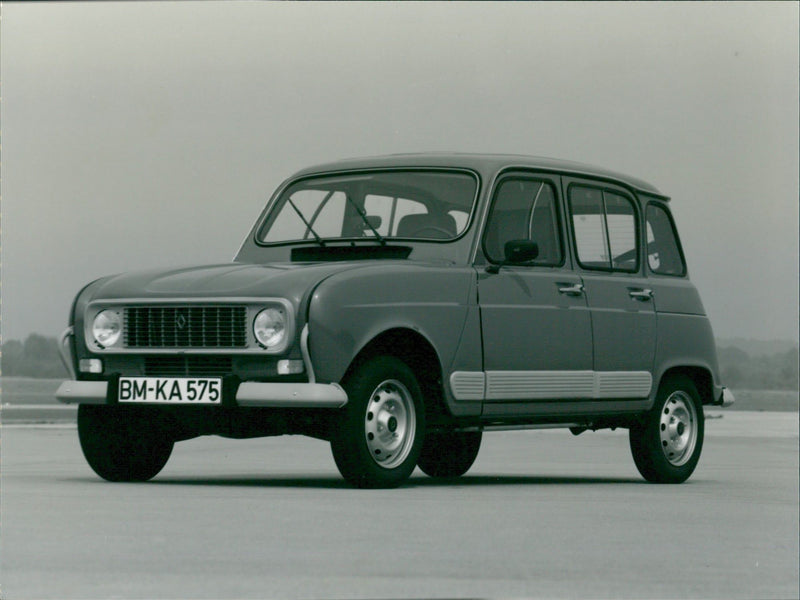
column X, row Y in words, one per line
column 320, row 241
column 364, row 218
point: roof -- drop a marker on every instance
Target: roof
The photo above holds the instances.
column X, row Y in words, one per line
column 481, row 163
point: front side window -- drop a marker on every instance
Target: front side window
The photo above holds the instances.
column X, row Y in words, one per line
column 663, row 250
column 421, row 205
column 524, row 209
column 604, row 226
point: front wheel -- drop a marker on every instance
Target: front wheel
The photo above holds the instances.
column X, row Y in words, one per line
column 123, row 443
column 666, row 445
column 379, row 433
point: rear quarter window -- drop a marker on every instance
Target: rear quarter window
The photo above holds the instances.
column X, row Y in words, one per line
column 664, row 256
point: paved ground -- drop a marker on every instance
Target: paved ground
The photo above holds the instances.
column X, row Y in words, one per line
column 542, row 514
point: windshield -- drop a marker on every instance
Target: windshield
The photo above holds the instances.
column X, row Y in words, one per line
column 423, row 205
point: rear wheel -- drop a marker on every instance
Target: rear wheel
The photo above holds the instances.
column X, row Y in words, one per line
column 123, row 443
column 449, row 454
column 666, row 446
column 378, row 436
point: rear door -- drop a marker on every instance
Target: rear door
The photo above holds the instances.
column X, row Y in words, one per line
column 605, row 227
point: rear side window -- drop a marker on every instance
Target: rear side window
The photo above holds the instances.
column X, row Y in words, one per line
column 664, row 256
column 604, row 226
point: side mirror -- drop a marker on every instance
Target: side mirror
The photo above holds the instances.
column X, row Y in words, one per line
column 516, row 252
column 520, row 251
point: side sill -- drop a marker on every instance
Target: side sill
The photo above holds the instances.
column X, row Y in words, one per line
column 566, row 408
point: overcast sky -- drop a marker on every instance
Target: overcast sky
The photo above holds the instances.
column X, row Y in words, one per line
column 138, row 135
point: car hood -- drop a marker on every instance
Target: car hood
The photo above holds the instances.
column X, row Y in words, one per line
column 235, row 280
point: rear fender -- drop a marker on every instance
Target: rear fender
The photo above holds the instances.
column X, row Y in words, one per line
column 686, row 344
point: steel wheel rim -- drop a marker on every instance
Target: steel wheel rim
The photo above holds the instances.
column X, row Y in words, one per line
column 678, row 428
column 390, row 424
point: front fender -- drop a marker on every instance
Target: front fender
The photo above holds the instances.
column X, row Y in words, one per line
column 350, row 309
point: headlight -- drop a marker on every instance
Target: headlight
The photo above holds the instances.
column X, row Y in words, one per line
column 107, row 327
column 269, row 327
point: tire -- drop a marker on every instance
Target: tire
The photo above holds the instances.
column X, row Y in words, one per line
column 667, row 444
column 449, row 454
column 123, row 443
column 378, row 435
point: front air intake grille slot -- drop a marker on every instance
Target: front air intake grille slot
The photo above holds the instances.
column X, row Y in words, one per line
column 187, row 366
column 185, row 327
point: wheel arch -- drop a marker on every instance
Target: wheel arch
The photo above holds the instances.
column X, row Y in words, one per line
column 701, row 377
column 415, row 350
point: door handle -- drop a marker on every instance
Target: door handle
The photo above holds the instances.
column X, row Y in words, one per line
column 572, row 290
column 642, row 295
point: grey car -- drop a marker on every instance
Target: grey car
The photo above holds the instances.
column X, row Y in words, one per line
column 398, row 307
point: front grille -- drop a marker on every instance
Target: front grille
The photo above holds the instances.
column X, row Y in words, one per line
column 187, row 366
column 185, row 327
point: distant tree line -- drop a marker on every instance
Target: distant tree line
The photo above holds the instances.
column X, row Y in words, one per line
column 777, row 371
column 38, row 356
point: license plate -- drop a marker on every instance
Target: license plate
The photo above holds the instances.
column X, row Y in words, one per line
column 169, row 390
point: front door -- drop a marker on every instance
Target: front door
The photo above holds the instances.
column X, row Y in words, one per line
column 536, row 326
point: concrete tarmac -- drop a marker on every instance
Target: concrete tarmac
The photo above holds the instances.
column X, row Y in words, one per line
column 540, row 515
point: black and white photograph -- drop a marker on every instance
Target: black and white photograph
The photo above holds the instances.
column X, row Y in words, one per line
column 383, row 300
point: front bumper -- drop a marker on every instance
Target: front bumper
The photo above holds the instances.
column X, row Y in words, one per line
column 249, row 393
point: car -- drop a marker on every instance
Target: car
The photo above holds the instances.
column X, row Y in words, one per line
column 399, row 307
